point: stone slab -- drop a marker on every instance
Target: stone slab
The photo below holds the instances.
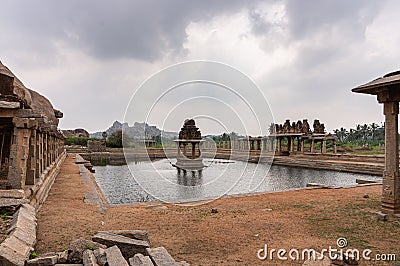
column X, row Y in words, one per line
column 14, row 252
column 128, row 246
column 10, row 105
column 43, row 261
column 134, row 234
column 12, row 193
column 161, row 257
column 115, row 257
column 140, row 260
column 10, row 204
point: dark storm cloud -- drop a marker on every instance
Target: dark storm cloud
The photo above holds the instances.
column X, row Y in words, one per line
column 308, row 16
column 144, row 30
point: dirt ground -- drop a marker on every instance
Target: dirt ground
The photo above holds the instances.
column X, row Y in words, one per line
column 233, row 235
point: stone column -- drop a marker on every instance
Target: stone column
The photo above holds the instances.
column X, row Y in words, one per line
column 258, row 144
column 31, row 167
column 291, row 144
column 312, row 146
column 251, row 144
column 323, row 148
column 199, row 148
column 19, row 158
column 271, row 144
column 179, row 150
column 298, row 144
column 193, row 150
column 334, row 146
column 302, row 145
column 279, row 144
column 38, row 155
column 184, row 149
column 391, row 181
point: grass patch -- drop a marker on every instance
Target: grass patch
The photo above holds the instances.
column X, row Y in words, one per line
column 5, row 215
column 90, row 247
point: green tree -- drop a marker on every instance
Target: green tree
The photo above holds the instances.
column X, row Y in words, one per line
column 115, row 140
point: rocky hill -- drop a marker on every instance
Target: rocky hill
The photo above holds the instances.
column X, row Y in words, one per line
column 137, row 131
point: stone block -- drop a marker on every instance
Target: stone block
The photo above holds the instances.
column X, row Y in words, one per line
column 89, row 259
column 43, row 261
column 140, row 260
column 101, row 256
column 115, row 257
column 382, row 216
column 134, row 234
column 10, row 204
column 63, row 256
column 14, row 252
column 12, row 193
column 129, row 247
column 161, row 257
column 77, row 247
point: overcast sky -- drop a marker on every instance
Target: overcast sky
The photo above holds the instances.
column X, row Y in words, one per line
column 88, row 57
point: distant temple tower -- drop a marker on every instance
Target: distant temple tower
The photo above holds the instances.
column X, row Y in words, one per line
column 189, row 135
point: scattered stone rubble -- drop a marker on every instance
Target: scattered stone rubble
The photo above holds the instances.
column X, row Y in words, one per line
column 112, row 248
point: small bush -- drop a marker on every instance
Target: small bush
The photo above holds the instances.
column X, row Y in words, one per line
column 81, row 141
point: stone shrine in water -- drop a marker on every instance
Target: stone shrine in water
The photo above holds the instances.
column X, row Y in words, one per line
column 189, row 155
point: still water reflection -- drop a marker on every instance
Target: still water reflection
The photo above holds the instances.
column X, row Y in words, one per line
column 150, row 181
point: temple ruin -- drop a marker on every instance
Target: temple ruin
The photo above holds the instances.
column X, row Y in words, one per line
column 296, row 134
column 189, row 138
column 31, row 144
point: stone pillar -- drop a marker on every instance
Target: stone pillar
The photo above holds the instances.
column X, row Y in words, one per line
column 391, row 181
column 302, row 145
column 323, row 148
column 334, row 146
column 264, row 144
column 31, row 166
column 42, row 159
column 193, row 150
column 312, row 146
column 291, row 144
column 199, row 148
column 184, row 149
column 298, row 144
column 38, row 155
column 179, row 150
column 251, row 144
column 271, row 144
column 258, row 144
column 279, row 144
column 19, row 158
